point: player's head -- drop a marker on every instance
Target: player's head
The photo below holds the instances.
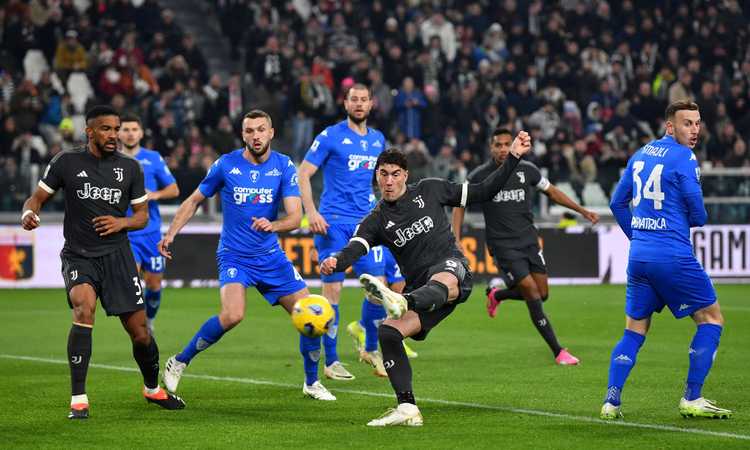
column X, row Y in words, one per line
column 683, row 122
column 102, row 126
column 131, row 131
column 358, row 102
column 500, row 144
column 257, row 132
column 391, row 172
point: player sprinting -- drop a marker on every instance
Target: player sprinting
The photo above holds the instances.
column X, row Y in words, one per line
column 160, row 185
column 662, row 183
column 252, row 181
column 100, row 184
column 513, row 240
column 346, row 152
column 411, row 222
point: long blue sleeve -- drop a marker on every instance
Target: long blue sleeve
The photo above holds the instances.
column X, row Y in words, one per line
column 697, row 215
column 620, row 204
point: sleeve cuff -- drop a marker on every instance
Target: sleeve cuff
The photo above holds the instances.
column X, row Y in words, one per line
column 361, row 241
column 543, row 184
column 46, row 188
column 464, row 194
column 138, row 200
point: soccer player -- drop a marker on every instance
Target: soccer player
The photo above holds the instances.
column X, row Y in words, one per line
column 160, row 184
column 662, row 183
column 411, row 222
column 346, row 152
column 100, row 184
column 252, row 181
column 513, row 241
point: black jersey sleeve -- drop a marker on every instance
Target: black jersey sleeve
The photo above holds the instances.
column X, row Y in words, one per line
column 137, row 187
column 481, row 192
column 535, row 177
column 54, row 175
column 366, row 236
column 445, row 192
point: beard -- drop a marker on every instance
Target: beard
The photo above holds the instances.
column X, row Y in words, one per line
column 260, row 152
column 356, row 120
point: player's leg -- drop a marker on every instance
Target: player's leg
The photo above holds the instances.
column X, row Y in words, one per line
column 365, row 331
column 82, row 298
column 641, row 301
column 153, row 269
column 232, row 313
column 506, row 261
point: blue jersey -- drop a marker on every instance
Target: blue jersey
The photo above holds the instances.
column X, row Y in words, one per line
column 156, row 176
column 662, row 182
column 348, row 161
column 249, row 190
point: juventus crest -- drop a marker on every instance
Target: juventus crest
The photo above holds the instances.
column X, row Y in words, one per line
column 118, row 174
column 418, row 200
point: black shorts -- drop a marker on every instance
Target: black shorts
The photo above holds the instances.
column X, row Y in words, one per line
column 456, row 266
column 114, row 277
column 516, row 264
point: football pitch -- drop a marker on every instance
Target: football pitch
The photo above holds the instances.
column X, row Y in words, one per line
column 480, row 382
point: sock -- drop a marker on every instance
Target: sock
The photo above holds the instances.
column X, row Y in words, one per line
column 702, row 354
column 396, row 363
column 509, row 294
column 310, row 349
column 153, row 300
column 331, row 338
column 147, row 357
column 79, row 354
column 81, row 398
column 541, row 322
column 210, row 332
column 621, row 363
column 429, row 297
column 372, row 316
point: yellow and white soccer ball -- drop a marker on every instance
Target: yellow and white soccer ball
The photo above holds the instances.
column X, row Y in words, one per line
column 313, row 315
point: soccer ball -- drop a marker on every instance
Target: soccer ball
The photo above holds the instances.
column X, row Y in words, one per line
column 312, row 315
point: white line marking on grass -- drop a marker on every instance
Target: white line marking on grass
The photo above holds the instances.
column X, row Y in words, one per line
column 530, row 412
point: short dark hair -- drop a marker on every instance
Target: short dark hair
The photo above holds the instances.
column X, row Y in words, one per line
column 358, row 86
column 99, row 111
column 679, row 105
column 131, row 118
column 257, row 114
column 499, row 131
column 394, row 156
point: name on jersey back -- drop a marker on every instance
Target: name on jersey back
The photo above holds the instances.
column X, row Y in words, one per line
column 648, row 223
column 655, row 150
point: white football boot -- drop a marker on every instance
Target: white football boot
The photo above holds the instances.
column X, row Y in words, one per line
column 337, row 371
column 701, row 407
column 404, row 414
column 317, row 391
column 172, row 372
column 610, row 412
column 394, row 303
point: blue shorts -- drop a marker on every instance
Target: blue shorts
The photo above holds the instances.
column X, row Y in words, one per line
column 273, row 275
column 683, row 286
column 336, row 239
column 392, row 270
column 146, row 251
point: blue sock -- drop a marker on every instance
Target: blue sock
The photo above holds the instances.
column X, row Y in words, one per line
column 330, row 339
column 372, row 316
column 210, row 332
column 153, row 300
column 621, row 363
column 310, row 349
column 702, row 353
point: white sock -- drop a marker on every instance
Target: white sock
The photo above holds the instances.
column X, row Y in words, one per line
column 82, row 398
column 151, row 391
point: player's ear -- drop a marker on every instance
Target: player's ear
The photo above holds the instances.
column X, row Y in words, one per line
column 273, row 133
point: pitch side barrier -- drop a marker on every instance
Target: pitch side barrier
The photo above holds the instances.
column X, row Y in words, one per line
column 578, row 255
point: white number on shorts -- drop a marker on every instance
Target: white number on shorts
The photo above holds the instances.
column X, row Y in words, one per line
column 157, row 263
column 137, row 284
column 377, row 254
column 297, row 276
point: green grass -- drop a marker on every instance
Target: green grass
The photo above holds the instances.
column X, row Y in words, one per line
column 498, row 374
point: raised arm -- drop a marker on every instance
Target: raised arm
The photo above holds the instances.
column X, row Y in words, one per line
column 481, row 192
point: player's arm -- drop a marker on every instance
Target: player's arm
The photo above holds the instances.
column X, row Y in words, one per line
column 318, row 224
column 166, row 182
column 185, row 212
column 620, row 203
column 365, row 237
column 458, row 221
column 293, row 208
column 169, row 191
column 559, row 197
column 106, row 225
column 32, row 206
column 481, row 192
column 688, row 180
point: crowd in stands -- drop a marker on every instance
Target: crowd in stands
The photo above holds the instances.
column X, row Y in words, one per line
column 589, row 79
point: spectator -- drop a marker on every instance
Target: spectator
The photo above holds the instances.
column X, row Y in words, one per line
column 70, row 55
column 409, row 103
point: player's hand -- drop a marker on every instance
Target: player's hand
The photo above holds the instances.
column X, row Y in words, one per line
column 151, row 196
column 30, row 221
column 106, row 225
column 591, row 216
column 163, row 246
column 328, row 266
column 521, row 144
column 262, row 224
column 318, row 224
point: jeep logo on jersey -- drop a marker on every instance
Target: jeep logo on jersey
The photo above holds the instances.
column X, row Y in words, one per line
column 513, row 195
column 252, row 195
column 404, row 235
column 110, row 195
column 362, row 161
column 254, row 174
column 118, row 174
